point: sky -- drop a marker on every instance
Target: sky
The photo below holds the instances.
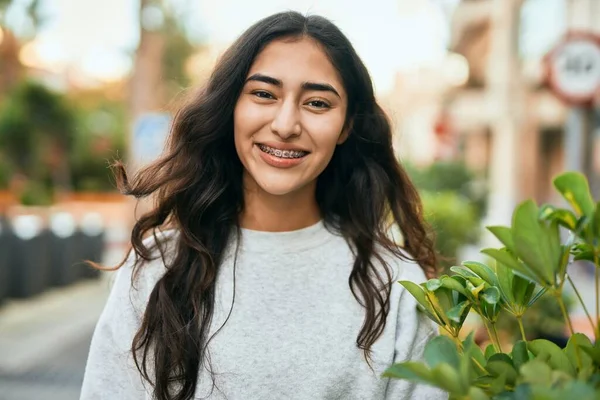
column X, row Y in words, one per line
column 98, row 37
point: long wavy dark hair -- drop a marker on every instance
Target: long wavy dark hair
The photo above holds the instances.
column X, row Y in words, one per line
column 197, row 189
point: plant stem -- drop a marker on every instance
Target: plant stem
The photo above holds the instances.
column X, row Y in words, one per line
column 491, row 336
column 479, row 366
column 597, row 276
column 563, row 309
column 587, row 313
column 496, row 336
column 458, row 342
column 567, row 318
column 520, row 321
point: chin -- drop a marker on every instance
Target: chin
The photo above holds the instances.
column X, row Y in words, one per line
column 278, row 188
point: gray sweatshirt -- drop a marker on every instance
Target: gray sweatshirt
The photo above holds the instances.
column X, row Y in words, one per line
column 292, row 330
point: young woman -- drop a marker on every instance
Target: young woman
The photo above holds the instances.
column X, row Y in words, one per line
column 266, row 269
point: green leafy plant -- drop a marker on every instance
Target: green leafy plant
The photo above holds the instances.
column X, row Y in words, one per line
column 531, row 263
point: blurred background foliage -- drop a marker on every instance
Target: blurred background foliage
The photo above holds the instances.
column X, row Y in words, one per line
column 56, row 141
column 52, row 142
column 454, row 201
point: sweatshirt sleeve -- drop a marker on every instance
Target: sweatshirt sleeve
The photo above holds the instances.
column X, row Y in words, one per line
column 110, row 372
column 413, row 330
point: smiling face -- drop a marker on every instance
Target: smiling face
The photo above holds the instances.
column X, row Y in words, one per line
column 289, row 117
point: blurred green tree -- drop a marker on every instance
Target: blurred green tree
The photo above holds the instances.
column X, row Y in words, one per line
column 454, row 201
column 37, row 131
column 100, row 138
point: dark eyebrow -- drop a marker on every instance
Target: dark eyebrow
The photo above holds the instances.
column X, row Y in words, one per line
column 321, row 87
column 265, row 79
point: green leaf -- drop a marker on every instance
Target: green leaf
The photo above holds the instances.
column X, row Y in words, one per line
column 491, row 295
column 459, row 312
column 444, row 297
column 582, row 225
column 522, row 290
column 465, row 371
column 505, row 282
column 501, row 364
column 565, row 251
column 448, row 378
column 575, row 348
column 536, row 296
column 587, row 256
column 504, row 235
column 563, row 217
column 412, row 371
column 583, row 251
column 573, row 186
column 453, row 284
column 419, row 294
column 441, row 349
column 519, row 354
column 509, row 261
column 440, row 302
column 534, row 242
column 483, row 271
column 490, row 350
column 596, row 221
column 489, row 311
column 465, row 272
column 558, row 359
column 475, row 290
column 536, row 372
column 474, row 353
column 498, row 383
column 433, row 284
column 594, row 353
column 476, row 393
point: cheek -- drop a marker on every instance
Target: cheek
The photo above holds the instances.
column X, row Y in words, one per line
column 326, row 133
column 246, row 119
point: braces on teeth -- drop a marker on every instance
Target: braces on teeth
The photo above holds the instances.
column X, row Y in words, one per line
column 282, row 153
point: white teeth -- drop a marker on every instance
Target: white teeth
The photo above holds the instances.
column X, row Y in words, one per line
column 282, row 153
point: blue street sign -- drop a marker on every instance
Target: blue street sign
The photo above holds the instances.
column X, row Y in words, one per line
column 150, row 132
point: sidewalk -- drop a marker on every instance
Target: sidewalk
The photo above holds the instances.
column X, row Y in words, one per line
column 34, row 330
column 44, row 341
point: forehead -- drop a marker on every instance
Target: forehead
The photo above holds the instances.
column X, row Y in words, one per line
column 296, row 61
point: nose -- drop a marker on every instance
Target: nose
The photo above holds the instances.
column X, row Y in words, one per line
column 286, row 123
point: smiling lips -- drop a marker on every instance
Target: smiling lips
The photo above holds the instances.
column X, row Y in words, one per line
column 282, row 153
column 281, row 158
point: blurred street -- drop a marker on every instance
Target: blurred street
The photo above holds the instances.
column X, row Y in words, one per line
column 45, row 339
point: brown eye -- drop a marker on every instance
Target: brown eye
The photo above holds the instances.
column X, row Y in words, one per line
column 263, row 94
column 318, row 104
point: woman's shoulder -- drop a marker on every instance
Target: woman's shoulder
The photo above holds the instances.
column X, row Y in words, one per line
column 143, row 275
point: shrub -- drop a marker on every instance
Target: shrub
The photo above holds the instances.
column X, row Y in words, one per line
column 532, row 262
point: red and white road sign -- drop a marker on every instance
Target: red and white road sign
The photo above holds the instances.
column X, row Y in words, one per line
column 573, row 68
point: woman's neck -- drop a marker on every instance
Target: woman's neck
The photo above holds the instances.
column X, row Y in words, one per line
column 271, row 213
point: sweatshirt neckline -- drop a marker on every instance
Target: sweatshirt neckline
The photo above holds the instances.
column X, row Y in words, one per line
column 285, row 242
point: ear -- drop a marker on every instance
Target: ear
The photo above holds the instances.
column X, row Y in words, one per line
column 345, row 132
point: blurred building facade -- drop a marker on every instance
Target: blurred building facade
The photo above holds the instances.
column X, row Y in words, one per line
column 443, row 116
